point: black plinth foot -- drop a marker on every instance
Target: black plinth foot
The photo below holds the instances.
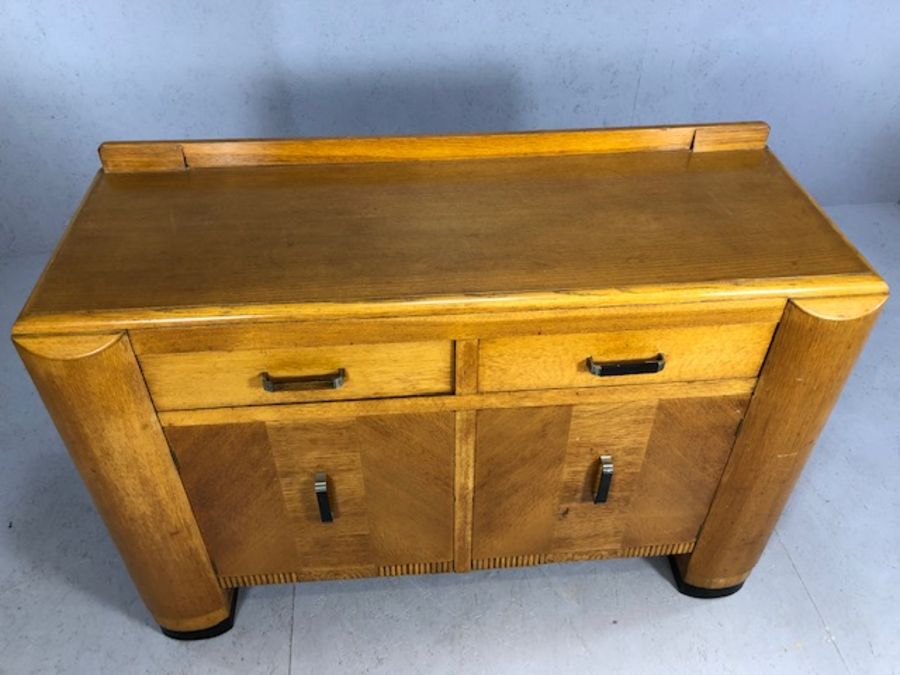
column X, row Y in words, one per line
column 698, row 591
column 203, row 633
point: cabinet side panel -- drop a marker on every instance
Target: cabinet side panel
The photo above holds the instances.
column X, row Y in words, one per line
column 808, row 363
column 103, row 412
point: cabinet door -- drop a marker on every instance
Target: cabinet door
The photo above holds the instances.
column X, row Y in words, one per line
column 389, row 483
column 537, row 472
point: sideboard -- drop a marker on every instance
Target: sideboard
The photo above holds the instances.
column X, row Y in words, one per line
column 279, row 361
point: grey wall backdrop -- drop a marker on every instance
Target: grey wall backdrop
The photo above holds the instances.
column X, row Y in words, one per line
column 825, row 75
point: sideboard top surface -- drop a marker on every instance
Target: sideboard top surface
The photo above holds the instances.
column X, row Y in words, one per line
column 352, row 236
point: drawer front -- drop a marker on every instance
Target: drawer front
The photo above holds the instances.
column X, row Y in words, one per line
column 388, row 487
column 561, row 361
column 537, row 474
column 209, row 379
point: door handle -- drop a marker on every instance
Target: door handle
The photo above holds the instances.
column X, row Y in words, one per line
column 604, row 480
column 636, row 367
column 333, row 380
column 321, row 489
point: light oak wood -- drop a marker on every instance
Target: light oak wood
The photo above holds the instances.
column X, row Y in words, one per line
column 466, row 364
column 772, row 290
column 456, row 219
column 720, row 137
column 133, row 156
column 70, row 347
column 827, row 219
column 342, row 573
column 841, row 309
column 464, row 489
column 137, row 157
column 523, row 399
column 211, row 379
column 688, row 446
column 461, row 282
column 519, row 457
column 606, row 554
column 101, row 407
column 807, row 366
column 390, row 485
column 463, row 327
column 552, row 362
column 536, row 473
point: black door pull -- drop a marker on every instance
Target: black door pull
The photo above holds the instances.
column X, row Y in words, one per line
column 321, row 488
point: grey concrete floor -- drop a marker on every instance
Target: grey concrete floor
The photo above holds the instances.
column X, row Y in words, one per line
column 825, row 598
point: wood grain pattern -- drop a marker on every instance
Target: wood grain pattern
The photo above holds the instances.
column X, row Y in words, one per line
column 518, row 463
column 525, row 399
column 536, row 472
column 827, row 218
column 137, row 157
column 466, row 364
column 447, row 309
column 841, row 309
column 118, row 156
column 750, row 136
column 71, row 347
column 464, row 489
column 187, row 380
column 101, row 408
column 236, row 460
column 621, row 431
column 552, row 362
column 687, row 450
column 807, row 366
column 390, row 488
column 462, row 327
column 461, row 282
column 302, row 257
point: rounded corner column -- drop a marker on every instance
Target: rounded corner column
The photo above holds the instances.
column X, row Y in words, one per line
column 95, row 394
column 815, row 346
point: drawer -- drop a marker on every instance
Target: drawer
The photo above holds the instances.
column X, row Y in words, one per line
column 685, row 354
column 209, row 379
column 340, row 497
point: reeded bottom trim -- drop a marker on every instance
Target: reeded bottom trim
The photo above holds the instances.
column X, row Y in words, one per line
column 578, row 556
column 363, row 572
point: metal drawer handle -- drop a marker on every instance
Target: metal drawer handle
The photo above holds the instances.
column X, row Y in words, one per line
column 604, row 481
column 333, row 380
column 611, row 368
column 321, row 488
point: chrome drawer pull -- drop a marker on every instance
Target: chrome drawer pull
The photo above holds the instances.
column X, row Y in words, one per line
column 333, row 380
column 611, row 368
column 321, row 488
column 605, row 479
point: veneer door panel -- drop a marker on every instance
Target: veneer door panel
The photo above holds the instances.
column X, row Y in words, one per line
column 388, row 484
column 537, row 474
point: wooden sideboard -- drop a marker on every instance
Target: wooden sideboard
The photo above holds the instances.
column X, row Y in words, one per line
column 279, row 361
